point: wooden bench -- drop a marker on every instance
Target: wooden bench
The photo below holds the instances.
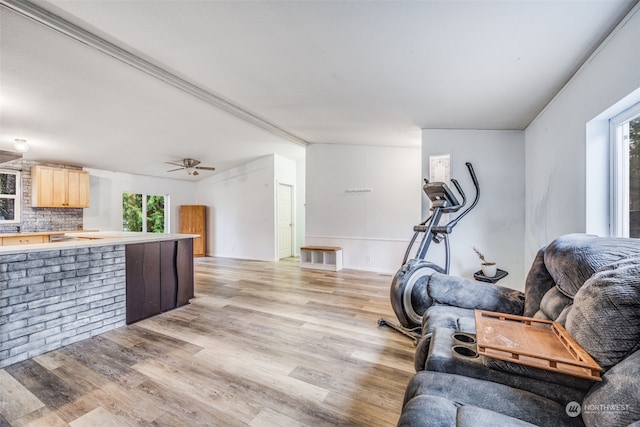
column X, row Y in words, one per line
column 321, row 257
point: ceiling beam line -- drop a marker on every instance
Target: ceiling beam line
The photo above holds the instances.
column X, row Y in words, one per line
column 44, row 17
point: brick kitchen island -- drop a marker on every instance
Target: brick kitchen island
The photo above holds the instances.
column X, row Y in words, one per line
column 55, row 294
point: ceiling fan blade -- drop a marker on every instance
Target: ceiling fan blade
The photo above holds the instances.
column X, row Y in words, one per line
column 175, row 164
column 205, row 168
column 173, row 170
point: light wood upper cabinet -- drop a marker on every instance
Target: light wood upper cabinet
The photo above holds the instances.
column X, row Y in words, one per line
column 193, row 220
column 59, row 188
column 78, row 188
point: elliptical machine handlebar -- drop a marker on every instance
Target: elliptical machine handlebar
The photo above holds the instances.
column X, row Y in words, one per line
column 457, row 207
column 474, row 178
column 451, row 204
column 443, row 201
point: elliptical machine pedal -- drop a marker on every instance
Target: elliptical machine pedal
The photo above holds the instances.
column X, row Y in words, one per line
column 409, row 297
column 413, row 333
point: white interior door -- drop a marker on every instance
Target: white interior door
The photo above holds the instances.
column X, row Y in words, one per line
column 285, row 221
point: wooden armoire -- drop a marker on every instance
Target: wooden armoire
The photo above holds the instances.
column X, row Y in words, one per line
column 193, row 220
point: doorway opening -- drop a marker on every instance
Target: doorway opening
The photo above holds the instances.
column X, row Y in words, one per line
column 284, row 206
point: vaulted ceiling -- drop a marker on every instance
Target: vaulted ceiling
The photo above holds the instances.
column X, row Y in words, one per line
column 129, row 85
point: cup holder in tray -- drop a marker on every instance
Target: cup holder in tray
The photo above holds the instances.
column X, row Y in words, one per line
column 464, row 344
column 464, row 351
column 464, row 338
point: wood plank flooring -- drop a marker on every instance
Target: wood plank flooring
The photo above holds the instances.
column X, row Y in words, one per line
column 262, row 344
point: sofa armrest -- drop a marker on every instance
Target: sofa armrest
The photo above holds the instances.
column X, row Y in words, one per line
column 465, row 293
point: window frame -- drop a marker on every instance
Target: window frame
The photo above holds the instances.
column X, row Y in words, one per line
column 167, row 210
column 618, row 126
column 17, row 206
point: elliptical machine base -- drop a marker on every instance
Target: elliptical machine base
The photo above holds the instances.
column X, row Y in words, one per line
column 409, row 296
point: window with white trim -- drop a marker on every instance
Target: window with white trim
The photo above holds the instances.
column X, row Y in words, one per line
column 9, row 197
column 145, row 212
column 625, row 168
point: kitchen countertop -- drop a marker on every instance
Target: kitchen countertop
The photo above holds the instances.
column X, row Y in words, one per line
column 81, row 239
column 43, row 233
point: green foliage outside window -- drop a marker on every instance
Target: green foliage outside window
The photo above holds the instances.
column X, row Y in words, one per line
column 132, row 212
column 8, row 183
column 155, row 214
column 8, row 186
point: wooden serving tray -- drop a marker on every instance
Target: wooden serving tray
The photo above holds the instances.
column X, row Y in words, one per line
column 538, row 343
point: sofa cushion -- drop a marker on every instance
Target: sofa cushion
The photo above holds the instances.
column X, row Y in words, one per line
column 562, row 317
column 445, row 316
column 488, row 395
column 429, row 411
column 541, row 381
column 471, row 416
column 552, row 304
column 426, row 410
column 614, row 401
column 573, row 258
column 605, row 318
column 538, row 282
column 441, row 316
column 450, row 290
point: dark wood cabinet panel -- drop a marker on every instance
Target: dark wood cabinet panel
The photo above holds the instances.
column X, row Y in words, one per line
column 184, row 269
column 159, row 277
column 134, row 258
column 168, row 276
column 151, row 279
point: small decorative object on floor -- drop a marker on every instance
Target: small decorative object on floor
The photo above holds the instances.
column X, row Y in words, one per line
column 489, row 269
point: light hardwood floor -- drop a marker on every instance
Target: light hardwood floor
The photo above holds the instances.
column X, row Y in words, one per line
column 262, row 344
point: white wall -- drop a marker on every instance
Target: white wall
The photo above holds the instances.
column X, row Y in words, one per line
column 241, row 211
column 373, row 227
column 106, row 188
column 556, row 142
column 496, row 225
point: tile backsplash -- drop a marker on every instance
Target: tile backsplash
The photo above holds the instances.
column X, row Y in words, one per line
column 40, row 219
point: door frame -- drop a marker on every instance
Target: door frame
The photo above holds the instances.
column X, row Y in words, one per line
column 293, row 222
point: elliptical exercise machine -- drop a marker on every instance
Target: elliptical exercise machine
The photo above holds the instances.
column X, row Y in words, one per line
column 409, row 298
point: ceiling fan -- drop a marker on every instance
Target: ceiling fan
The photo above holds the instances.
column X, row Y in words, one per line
column 191, row 166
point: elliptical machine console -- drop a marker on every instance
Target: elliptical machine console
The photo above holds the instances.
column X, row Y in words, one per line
column 409, row 298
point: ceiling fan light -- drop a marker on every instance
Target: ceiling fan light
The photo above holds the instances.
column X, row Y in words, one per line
column 20, row 145
column 190, row 166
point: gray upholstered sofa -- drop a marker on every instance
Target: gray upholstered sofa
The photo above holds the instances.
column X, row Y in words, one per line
column 589, row 284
